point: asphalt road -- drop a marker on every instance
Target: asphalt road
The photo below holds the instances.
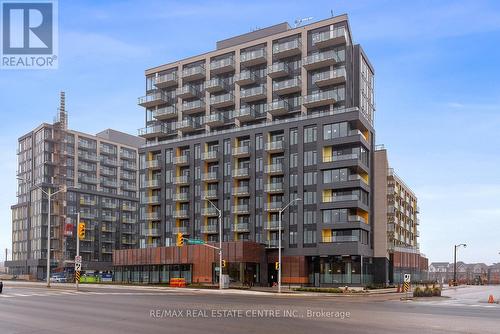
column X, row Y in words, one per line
column 130, row 310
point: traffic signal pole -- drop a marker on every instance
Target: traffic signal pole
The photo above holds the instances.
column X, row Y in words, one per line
column 77, row 281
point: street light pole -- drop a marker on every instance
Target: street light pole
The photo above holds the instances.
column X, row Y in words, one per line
column 279, row 240
column 49, row 195
column 219, row 211
column 77, row 244
column 455, row 263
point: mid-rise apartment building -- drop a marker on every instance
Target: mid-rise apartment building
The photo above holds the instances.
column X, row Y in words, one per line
column 270, row 116
column 396, row 223
column 97, row 176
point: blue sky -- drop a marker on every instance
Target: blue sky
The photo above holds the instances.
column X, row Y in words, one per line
column 437, row 92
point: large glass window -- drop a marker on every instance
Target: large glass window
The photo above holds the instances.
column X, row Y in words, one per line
column 310, row 134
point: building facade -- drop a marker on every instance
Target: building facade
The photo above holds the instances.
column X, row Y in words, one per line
column 268, row 117
column 467, row 273
column 396, row 224
column 98, row 176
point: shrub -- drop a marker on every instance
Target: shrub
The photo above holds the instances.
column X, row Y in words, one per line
column 418, row 292
column 436, row 292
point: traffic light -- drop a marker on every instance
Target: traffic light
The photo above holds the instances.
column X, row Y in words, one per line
column 277, row 265
column 223, row 263
column 180, row 240
column 81, row 231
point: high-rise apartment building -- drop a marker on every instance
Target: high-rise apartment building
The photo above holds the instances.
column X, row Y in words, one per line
column 270, row 116
column 98, row 176
column 396, row 223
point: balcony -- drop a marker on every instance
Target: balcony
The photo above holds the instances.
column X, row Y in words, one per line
column 350, row 219
column 272, row 225
column 193, row 73
column 152, row 216
column 181, row 197
column 241, row 191
column 107, row 250
column 153, row 164
column 241, row 151
column 324, row 98
column 129, row 166
column 241, row 209
column 288, row 86
column 340, row 198
column 87, row 215
column 109, row 162
column 165, row 113
column 210, row 156
column 180, row 229
column 209, row 229
column 181, row 180
column 245, row 78
column 340, row 238
column 241, row 173
column 109, row 218
column 180, row 214
column 107, row 150
column 252, row 58
column 209, row 194
column 274, row 188
column 221, row 101
column 215, row 85
column 273, row 243
column 275, row 146
column 87, row 167
column 277, row 107
column 328, row 78
column 153, row 100
column 187, row 92
column 88, row 156
column 193, row 107
column 253, row 94
column 274, row 169
column 186, row 125
column 343, row 157
column 209, row 212
column 166, row 80
column 88, row 179
column 244, row 114
column 322, row 59
column 152, row 184
column 128, row 207
column 109, row 183
column 240, row 227
column 128, row 241
column 156, row 131
column 329, row 38
column 151, row 200
column 151, row 232
column 278, row 70
column 273, row 206
column 129, row 186
column 87, row 201
column 222, row 65
column 181, row 160
column 209, row 177
column 287, row 49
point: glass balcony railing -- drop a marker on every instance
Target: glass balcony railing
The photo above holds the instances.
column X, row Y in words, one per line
column 242, row 209
column 193, row 72
column 183, row 179
column 253, row 93
column 241, row 191
column 209, row 211
column 274, row 168
column 324, row 98
column 240, row 227
column 337, row 75
column 210, row 155
column 241, row 150
column 286, row 49
column 181, row 214
column 275, row 146
column 253, row 57
column 322, row 59
column 221, row 65
column 209, row 194
column 209, row 176
column 340, row 238
column 181, row 159
column 209, row 229
column 273, row 187
column 181, row 197
column 165, row 80
column 330, row 37
column 241, row 172
column 245, row 77
column 333, row 158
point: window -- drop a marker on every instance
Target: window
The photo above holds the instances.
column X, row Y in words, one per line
column 310, row 158
column 310, row 134
column 336, row 130
column 309, row 197
column 258, row 165
column 258, row 142
column 227, row 146
column 293, row 238
column 309, row 237
column 293, row 136
column 335, row 216
column 293, row 160
column 335, row 175
column 292, row 216
column 293, row 180
column 309, row 217
column 310, row 178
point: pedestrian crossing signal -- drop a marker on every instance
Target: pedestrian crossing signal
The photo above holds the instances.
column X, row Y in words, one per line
column 81, row 231
column 277, row 265
column 180, row 240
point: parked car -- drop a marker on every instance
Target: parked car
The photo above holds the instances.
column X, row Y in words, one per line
column 58, row 279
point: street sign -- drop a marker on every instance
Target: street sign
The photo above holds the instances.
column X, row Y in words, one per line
column 78, row 259
column 195, row 241
column 78, row 266
column 407, row 278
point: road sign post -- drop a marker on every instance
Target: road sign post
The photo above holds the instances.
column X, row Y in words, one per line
column 406, row 284
column 78, row 258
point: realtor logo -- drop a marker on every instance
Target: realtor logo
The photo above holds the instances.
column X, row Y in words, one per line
column 29, row 34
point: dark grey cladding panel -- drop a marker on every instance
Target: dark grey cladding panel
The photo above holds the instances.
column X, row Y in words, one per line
column 261, row 33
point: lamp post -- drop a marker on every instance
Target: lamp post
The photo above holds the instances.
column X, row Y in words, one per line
column 49, row 195
column 279, row 240
column 455, row 263
column 219, row 212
